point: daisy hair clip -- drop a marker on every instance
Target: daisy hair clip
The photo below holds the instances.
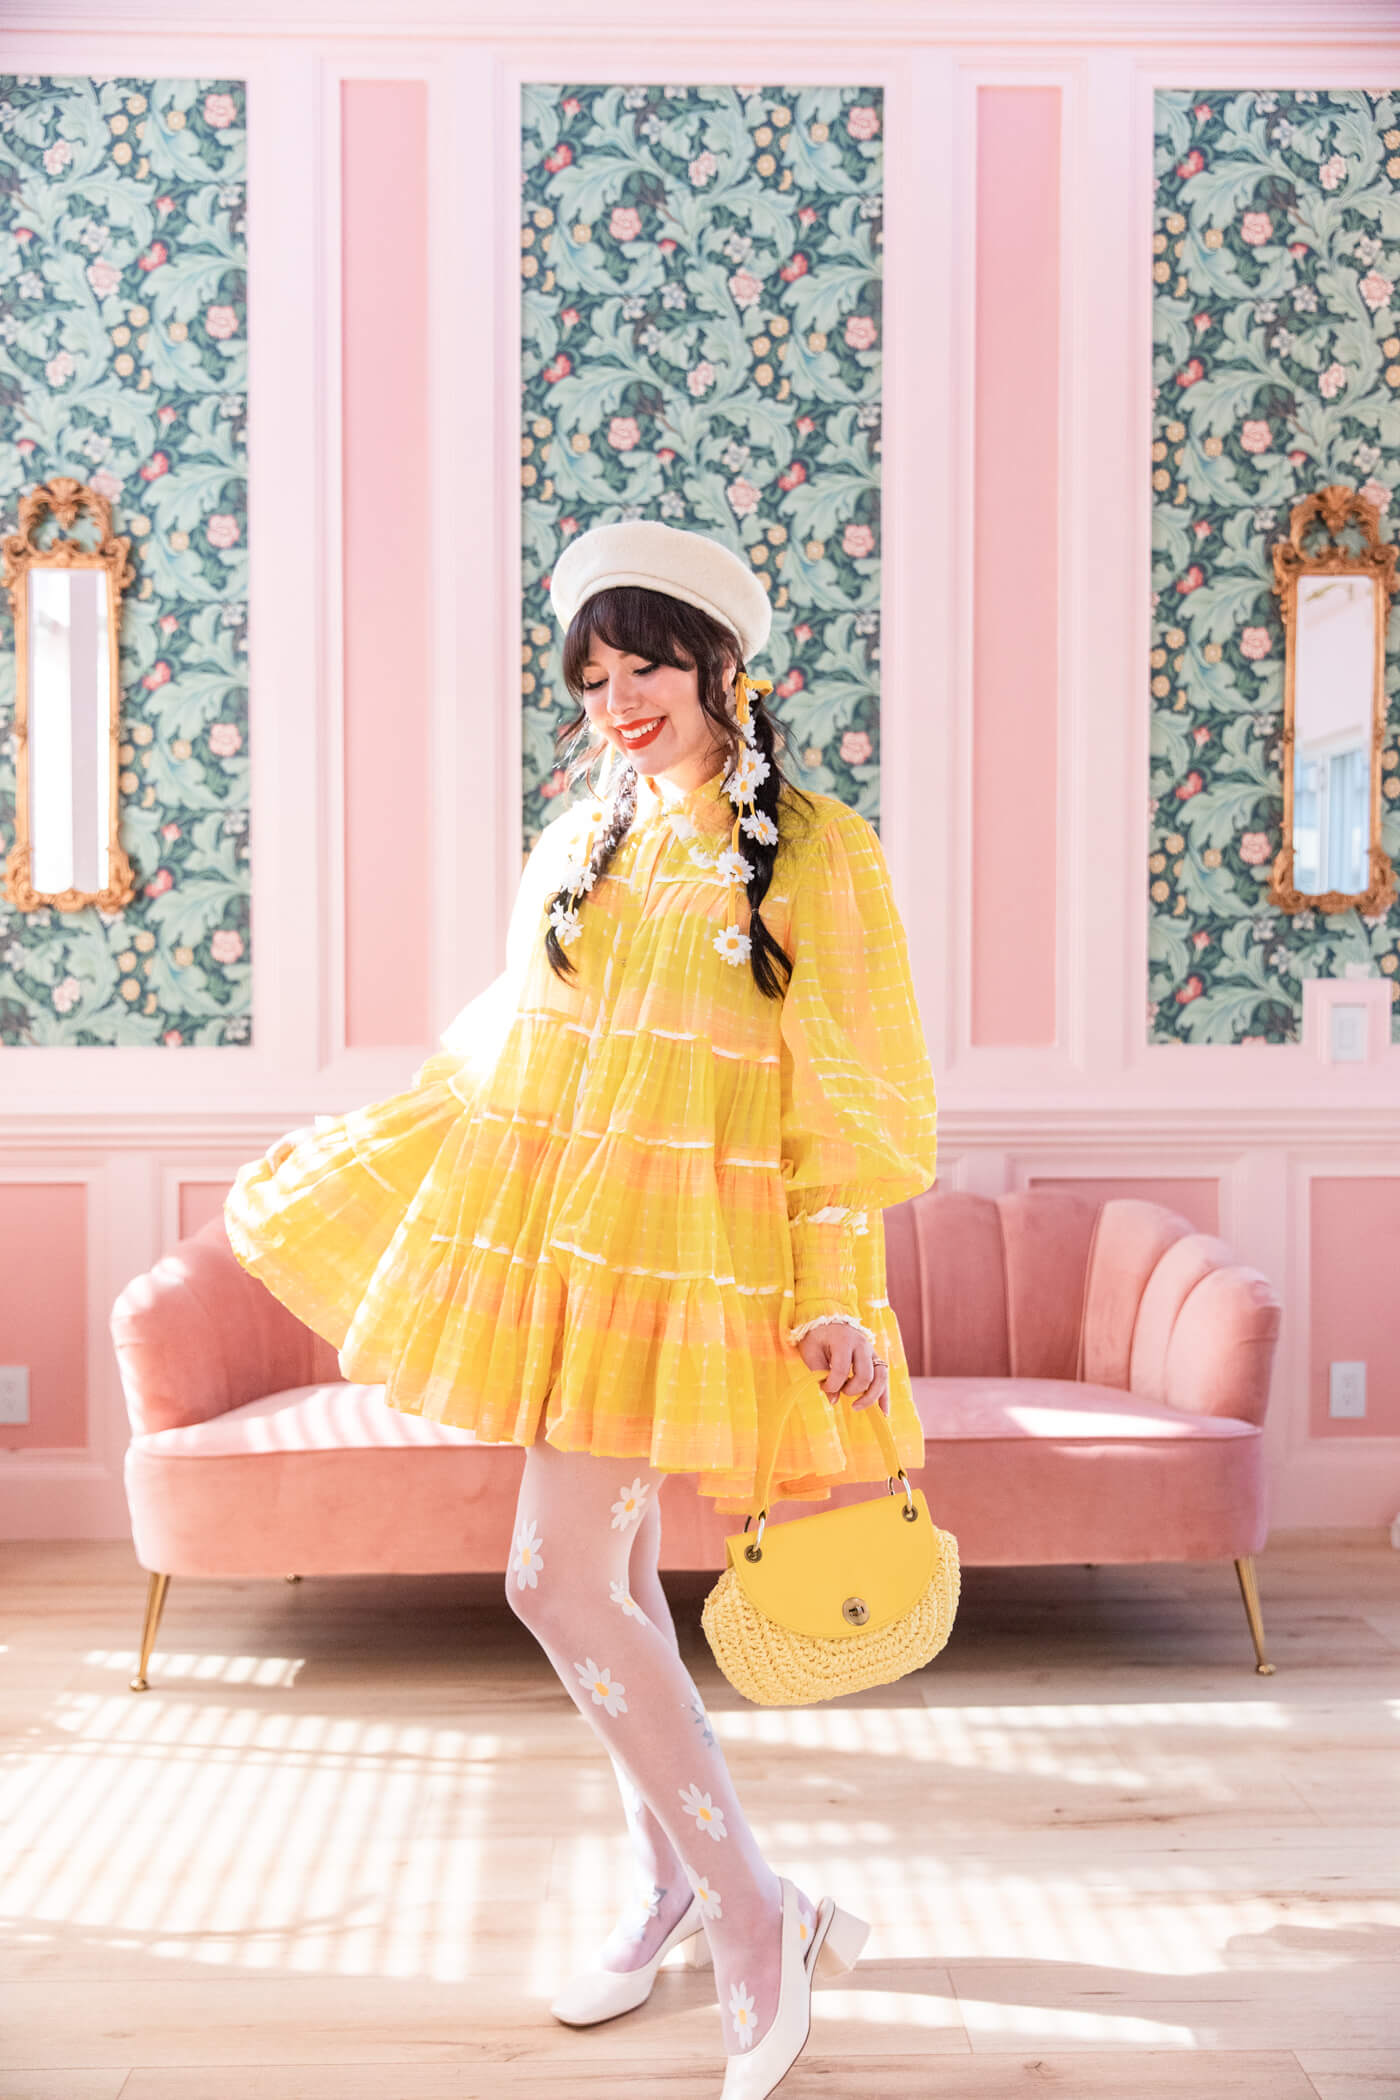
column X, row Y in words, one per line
column 750, row 770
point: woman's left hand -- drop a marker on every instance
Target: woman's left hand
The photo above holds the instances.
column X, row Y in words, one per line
column 847, row 1365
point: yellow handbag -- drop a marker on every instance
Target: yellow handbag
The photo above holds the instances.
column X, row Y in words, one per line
column 834, row 1602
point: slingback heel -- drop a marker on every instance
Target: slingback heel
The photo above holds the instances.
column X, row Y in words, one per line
column 841, row 1948
column 755, row 2073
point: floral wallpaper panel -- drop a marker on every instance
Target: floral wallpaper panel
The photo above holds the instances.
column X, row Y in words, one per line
column 123, row 362
column 1276, row 257
column 702, row 331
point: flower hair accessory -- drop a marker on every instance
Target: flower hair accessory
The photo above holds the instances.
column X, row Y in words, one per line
column 745, row 776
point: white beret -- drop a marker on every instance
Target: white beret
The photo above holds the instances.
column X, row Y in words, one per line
column 686, row 565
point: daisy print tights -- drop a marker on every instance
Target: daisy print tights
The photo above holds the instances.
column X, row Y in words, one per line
column 583, row 1577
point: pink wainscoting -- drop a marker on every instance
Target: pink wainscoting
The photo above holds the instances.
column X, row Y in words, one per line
column 385, row 485
column 44, row 1309
column 199, row 1202
column 1015, row 621
column 1355, row 1233
column 1197, row 1199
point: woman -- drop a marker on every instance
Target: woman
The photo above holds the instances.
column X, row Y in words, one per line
column 629, row 1217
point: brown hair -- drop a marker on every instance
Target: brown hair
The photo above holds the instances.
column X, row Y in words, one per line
column 665, row 630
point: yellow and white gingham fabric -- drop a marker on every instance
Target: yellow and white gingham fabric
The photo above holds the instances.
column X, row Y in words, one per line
column 602, row 1207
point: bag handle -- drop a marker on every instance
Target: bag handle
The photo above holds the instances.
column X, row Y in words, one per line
column 768, row 1457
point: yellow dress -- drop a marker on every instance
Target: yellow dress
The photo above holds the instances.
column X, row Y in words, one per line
column 607, row 1207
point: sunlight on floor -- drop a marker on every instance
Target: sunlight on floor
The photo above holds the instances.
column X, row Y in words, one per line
column 194, row 1828
column 174, row 1670
column 1002, row 2025
column 829, row 1728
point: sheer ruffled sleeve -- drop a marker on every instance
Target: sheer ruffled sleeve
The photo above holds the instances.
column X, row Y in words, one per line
column 473, row 1038
column 859, row 1109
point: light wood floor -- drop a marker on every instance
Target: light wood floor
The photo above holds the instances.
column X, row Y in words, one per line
column 355, row 1834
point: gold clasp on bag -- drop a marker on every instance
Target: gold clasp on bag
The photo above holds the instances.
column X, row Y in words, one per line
column 855, row 1611
column 910, row 1511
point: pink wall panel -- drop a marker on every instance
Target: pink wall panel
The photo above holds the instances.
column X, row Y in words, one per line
column 1197, row 1199
column 43, row 1309
column 385, row 487
column 200, row 1201
column 1355, row 1232
column 1015, row 577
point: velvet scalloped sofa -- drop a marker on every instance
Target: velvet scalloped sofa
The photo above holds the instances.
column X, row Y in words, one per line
column 1093, row 1380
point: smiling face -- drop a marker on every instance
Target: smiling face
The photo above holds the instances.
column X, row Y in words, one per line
column 652, row 712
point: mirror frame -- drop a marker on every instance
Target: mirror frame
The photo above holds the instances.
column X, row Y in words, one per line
column 1334, row 508
column 64, row 501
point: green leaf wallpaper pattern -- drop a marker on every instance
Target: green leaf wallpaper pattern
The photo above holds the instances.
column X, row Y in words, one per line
column 1276, row 369
column 701, row 340
column 123, row 362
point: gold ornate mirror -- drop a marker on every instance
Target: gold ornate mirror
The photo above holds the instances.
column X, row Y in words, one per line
column 65, row 572
column 1336, row 602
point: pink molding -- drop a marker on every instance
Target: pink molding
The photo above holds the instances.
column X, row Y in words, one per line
column 1355, row 1229
column 43, row 1309
column 1196, row 1197
column 1015, row 568
column 385, row 510
column 199, row 1202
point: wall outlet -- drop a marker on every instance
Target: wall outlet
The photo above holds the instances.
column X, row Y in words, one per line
column 14, row 1394
column 1346, row 1399
column 1349, row 1025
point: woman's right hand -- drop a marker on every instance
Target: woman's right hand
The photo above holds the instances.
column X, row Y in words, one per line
column 845, row 1360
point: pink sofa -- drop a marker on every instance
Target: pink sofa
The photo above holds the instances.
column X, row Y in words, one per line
column 1093, row 1380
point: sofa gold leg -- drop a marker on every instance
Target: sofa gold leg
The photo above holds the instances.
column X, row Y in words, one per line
column 155, row 1604
column 291, row 1578
column 1249, row 1590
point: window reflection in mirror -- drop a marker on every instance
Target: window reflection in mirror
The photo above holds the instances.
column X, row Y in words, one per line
column 1333, row 697
column 69, row 729
column 1334, row 576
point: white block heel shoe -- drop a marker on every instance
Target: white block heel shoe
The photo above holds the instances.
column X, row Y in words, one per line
column 835, row 1944
column 841, row 1949
column 601, row 1994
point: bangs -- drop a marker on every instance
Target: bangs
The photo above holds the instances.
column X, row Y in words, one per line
column 639, row 622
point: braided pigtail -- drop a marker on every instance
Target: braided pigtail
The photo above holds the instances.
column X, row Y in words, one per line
column 758, row 825
column 611, row 823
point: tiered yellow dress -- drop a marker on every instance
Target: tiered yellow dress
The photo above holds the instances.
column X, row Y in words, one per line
column 607, row 1208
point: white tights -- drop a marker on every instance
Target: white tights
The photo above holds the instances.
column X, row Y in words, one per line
column 583, row 1577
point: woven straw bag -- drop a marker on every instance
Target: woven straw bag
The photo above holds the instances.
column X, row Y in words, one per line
column 834, row 1602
